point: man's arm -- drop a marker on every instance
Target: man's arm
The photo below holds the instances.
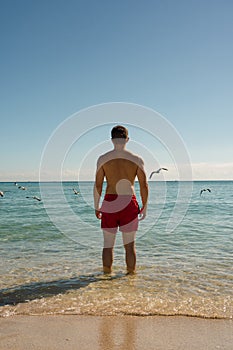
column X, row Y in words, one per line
column 141, row 175
column 99, row 179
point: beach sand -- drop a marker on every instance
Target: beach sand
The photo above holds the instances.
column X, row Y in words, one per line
column 114, row 332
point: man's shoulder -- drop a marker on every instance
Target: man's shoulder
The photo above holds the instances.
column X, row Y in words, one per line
column 134, row 157
column 106, row 155
column 103, row 158
column 127, row 155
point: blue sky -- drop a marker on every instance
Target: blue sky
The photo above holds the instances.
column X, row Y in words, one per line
column 59, row 57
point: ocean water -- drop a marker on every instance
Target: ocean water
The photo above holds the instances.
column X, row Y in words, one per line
column 50, row 253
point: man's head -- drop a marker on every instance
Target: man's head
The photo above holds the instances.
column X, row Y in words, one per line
column 119, row 132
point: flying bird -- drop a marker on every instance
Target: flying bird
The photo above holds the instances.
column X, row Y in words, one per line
column 75, row 191
column 1, row 194
column 157, row 172
column 22, row 188
column 205, row 189
column 35, row 197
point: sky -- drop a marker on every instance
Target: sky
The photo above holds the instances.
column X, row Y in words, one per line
column 60, row 57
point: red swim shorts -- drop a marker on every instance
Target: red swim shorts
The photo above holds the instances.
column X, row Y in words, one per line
column 119, row 211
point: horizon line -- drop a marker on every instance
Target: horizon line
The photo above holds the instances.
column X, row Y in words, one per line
column 58, row 181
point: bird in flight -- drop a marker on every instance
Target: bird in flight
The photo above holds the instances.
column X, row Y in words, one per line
column 1, row 194
column 75, row 191
column 35, row 197
column 205, row 189
column 157, row 171
column 22, row 188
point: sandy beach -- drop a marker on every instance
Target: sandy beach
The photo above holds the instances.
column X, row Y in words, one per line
column 121, row 332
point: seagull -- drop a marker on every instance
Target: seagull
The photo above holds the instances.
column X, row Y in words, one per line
column 1, row 194
column 205, row 189
column 157, row 171
column 22, row 188
column 35, row 197
column 75, row 191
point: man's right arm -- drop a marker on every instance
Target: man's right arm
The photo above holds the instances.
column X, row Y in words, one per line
column 141, row 175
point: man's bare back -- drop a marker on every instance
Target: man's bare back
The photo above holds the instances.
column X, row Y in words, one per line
column 120, row 167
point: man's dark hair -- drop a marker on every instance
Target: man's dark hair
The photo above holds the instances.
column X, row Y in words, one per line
column 119, row 132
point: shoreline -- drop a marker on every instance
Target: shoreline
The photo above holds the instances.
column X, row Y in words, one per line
column 114, row 332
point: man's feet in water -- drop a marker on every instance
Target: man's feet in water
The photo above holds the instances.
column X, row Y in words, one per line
column 107, row 269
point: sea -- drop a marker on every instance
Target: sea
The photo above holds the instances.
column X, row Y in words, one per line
column 51, row 252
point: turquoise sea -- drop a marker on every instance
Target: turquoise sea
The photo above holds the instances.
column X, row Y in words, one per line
column 51, row 252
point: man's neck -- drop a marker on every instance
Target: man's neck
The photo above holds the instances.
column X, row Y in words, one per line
column 118, row 147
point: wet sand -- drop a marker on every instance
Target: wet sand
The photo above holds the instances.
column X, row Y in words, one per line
column 114, row 332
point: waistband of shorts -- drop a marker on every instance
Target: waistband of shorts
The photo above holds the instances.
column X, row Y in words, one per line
column 113, row 196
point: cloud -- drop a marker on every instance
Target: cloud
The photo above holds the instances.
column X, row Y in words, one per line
column 212, row 171
column 200, row 171
column 19, row 176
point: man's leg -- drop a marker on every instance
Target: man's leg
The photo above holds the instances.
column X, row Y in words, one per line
column 130, row 251
column 107, row 255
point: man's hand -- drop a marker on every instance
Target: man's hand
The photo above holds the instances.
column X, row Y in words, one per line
column 98, row 214
column 142, row 213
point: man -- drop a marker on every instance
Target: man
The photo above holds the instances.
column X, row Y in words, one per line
column 120, row 208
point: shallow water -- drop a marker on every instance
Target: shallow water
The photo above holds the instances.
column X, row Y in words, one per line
column 51, row 253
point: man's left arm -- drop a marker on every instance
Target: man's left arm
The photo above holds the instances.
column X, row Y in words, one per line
column 99, row 179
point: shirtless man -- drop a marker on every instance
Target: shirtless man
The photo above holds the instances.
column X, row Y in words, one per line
column 120, row 208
